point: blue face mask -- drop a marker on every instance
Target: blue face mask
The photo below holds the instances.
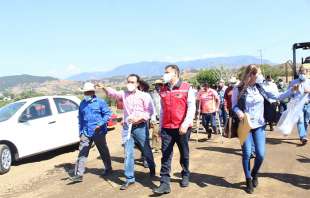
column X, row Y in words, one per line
column 302, row 77
column 88, row 98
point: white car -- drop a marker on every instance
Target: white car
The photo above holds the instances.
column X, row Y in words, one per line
column 36, row 125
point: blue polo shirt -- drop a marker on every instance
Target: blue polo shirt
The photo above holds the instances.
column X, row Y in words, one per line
column 92, row 114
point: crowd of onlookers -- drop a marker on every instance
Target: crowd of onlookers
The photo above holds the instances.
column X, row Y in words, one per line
column 168, row 112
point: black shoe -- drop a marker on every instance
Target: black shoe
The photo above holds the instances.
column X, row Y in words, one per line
column 162, row 189
column 126, row 185
column 255, row 181
column 304, row 141
column 249, row 186
column 76, row 178
column 209, row 135
column 145, row 164
column 152, row 172
column 107, row 172
column 184, row 182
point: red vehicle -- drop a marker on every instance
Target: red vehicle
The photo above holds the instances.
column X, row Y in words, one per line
column 113, row 121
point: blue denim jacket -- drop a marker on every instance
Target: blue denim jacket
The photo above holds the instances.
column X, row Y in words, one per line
column 252, row 102
column 92, row 114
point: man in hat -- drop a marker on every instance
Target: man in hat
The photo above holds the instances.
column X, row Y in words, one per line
column 227, row 95
column 222, row 112
column 271, row 113
column 93, row 117
column 154, row 124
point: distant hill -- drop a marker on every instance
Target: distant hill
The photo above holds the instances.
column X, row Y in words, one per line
column 44, row 85
column 152, row 68
column 8, row 82
column 54, row 87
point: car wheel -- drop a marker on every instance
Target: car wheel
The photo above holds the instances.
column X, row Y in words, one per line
column 5, row 158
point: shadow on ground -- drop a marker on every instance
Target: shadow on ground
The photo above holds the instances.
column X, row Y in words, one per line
column 47, row 155
column 222, row 150
column 203, row 180
column 293, row 179
column 142, row 178
column 303, row 159
column 275, row 141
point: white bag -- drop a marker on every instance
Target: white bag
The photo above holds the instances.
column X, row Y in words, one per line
column 126, row 132
column 291, row 115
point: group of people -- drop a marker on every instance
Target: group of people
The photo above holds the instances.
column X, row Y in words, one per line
column 169, row 112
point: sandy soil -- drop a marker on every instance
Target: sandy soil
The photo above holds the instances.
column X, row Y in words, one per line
column 216, row 172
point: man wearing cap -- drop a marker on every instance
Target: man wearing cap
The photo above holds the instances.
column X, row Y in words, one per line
column 177, row 113
column 93, row 117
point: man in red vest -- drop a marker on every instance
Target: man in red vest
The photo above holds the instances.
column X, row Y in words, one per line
column 177, row 114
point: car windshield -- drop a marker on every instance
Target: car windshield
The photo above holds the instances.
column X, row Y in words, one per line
column 9, row 110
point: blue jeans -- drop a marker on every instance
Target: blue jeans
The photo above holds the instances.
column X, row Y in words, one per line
column 302, row 124
column 207, row 118
column 140, row 135
column 258, row 137
column 223, row 115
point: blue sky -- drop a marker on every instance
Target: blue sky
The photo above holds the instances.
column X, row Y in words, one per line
column 65, row 37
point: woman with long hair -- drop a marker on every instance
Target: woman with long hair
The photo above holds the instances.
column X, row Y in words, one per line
column 248, row 97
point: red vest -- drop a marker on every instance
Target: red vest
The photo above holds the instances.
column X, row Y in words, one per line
column 174, row 105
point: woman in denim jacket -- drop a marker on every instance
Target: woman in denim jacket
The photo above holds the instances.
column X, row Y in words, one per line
column 248, row 97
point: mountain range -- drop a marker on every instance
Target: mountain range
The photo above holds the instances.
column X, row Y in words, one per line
column 12, row 81
column 40, row 84
column 152, row 68
column 50, row 85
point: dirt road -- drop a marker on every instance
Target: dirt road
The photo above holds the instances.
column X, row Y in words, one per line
column 216, row 172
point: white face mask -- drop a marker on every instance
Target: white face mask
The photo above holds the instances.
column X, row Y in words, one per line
column 302, row 77
column 167, row 77
column 260, row 79
column 131, row 87
column 88, row 98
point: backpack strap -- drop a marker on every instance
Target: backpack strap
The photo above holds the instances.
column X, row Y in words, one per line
column 262, row 92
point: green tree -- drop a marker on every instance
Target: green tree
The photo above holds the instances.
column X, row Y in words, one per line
column 211, row 76
column 193, row 82
column 3, row 103
column 274, row 71
column 27, row 94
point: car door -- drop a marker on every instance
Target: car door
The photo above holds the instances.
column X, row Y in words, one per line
column 67, row 120
column 36, row 125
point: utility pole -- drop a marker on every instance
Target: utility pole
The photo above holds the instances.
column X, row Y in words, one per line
column 286, row 72
column 261, row 56
column 261, row 60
